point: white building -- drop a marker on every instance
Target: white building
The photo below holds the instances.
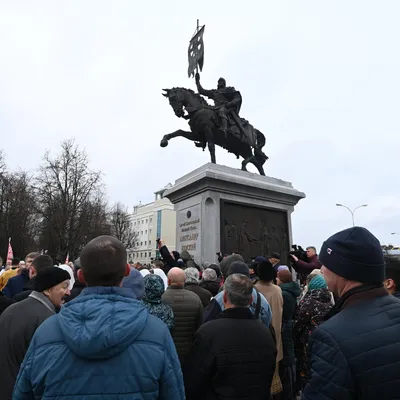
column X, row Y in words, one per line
column 152, row 221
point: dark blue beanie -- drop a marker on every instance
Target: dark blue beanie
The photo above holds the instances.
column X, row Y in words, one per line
column 354, row 254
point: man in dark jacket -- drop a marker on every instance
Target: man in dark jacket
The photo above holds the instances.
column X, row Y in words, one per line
column 392, row 281
column 19, row 322
column 210, row 281
column 39, row 263
column 104, row 344
column 305, row 268
column 16, row 284
column 188, row 311
column 233, row 357
column 192, row 284
column 355, row 353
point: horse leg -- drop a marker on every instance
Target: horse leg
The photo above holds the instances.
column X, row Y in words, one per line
column 211, row 143
column 245, row 162
column 179, row 133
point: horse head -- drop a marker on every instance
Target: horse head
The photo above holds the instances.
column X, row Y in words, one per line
column 176, row 100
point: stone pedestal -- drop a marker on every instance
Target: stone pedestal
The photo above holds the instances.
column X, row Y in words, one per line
column 225, row 209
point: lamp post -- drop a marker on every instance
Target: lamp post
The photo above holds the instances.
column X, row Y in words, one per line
column 352, row 212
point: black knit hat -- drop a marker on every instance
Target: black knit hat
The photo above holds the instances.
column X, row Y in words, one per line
column 354, row 254
column 238, row 267
column 49, row 277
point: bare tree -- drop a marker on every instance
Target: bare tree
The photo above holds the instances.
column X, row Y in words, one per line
column 68, row 192
column 121, row 225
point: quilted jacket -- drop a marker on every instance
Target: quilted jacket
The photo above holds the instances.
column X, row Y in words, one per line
column 356, row 353
column 102, row 345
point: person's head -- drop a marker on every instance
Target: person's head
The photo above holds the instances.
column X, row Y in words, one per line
column 134, row 281
column 192, row 275
column 176, row 277
column 216, row 268
column 158, row 264
column 53, row 282
column 15, row 262
column 67, row 268
column 284, row 276
column 209, row 275
column 314, row 273
column 221, row 83
column 317, row 282
column 311, row 251
column 238, row 267
column 238, row 290
column 275, row 258
column 227, row 261
column 266, row 272
column 153, row 288
column 103, row 262
column 21, row 265
column 351, row 258
column 29, row 258
column 392, row 272
column 39, row 264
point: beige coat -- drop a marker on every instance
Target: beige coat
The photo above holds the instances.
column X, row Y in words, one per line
column 273, row 294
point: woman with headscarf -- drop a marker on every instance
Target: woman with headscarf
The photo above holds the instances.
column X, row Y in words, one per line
column 153, row 290
column 310, row 313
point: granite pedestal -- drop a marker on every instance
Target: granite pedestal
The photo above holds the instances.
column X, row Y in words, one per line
column 225, row 209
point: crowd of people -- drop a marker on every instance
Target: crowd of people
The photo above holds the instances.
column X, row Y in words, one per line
column 324, row 327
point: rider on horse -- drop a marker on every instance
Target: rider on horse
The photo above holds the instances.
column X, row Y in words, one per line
column 227, row 102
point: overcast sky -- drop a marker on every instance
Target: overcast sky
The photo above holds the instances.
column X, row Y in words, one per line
column 320, row 79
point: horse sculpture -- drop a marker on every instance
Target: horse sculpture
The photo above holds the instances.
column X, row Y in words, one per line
column 203, row 121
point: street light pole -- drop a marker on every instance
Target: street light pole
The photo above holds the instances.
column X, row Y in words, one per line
column 351, row 212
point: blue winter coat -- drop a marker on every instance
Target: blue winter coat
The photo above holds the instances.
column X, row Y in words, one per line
column 356, row 353
column 102, row 345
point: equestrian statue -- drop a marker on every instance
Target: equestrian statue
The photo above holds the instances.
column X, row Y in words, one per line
column 217, row 124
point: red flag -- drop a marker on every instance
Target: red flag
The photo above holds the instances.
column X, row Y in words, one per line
column 67, row 259
column 10, row 254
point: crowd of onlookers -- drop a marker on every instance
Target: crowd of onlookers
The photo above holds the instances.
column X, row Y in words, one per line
column 322, row 327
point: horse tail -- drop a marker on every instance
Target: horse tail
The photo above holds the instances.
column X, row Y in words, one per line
column 260, row 139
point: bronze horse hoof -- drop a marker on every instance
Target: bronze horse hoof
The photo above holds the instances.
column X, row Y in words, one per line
column 164, row 143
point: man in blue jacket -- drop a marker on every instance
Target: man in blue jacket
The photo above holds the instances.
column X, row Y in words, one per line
column 103, row 344
column 355, row 354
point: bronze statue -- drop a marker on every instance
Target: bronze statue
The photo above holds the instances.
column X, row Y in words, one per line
column 214, row 125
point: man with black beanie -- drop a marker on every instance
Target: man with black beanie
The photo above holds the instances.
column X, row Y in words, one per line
column 355, row 353
column 19, row 322
column 392, row 278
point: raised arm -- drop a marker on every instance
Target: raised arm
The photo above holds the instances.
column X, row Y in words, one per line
column 204, row 92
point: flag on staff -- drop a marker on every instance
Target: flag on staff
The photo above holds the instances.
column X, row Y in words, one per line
column 10, row 254
column 67, row 259
column 196, row 51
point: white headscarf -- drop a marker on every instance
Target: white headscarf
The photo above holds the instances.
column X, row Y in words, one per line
column 144, row 272
column 67, row 268
column 161, row 274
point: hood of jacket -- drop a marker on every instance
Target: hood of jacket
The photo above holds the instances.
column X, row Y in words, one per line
column 322, row 295
column 291, row 287
column 102, row 322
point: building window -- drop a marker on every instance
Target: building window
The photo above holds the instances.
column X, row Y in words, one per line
column 149, row 242
column 146, row 220
column 149, row 254
column 142, row 221
column 145, row 232
column 145, row 255
column 151, row 220
column 141, row 255
column 145, row 242
column 137, row 243
column 141, row 243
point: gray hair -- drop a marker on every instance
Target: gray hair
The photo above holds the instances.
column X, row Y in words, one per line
column 192, row 275
column 209, row 275
column 239, row 290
